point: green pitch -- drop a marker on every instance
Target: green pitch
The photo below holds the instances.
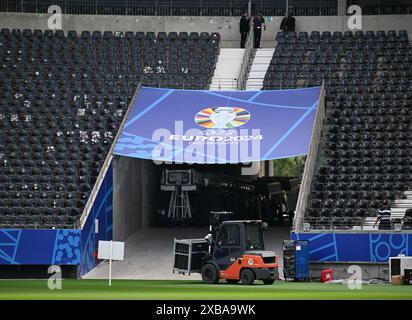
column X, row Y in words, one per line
column 152, row 290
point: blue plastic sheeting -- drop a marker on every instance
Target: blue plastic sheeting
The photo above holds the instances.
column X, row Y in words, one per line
column 201, row 126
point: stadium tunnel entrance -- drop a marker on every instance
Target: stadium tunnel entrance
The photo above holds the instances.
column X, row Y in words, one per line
column 182, row 195
column 153, row 204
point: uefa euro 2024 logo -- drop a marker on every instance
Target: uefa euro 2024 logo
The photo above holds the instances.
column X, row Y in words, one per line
column 219, row 143
column 222, row 117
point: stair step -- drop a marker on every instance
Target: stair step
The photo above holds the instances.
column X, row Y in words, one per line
column 223, row 89
column 259, row 67
column 257, row 75
column 227, row 69
column 265, row 51
column 224, row 84
column 397, row 216
column 403, row 201
column 369, row 228
column 221, row 86
column 255, row 81
column 230, row 52
column 262, row 58
column 397, row 208
column 265, row 60
column 223, row 81
column 402, row 205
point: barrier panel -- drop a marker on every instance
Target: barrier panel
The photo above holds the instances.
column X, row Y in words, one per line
column 356, row 247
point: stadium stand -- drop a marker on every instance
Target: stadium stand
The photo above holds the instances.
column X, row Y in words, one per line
column 176, row 8
column 365, row 147
column 62, row 99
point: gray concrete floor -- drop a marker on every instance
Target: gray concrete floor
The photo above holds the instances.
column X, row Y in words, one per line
column 149, row 254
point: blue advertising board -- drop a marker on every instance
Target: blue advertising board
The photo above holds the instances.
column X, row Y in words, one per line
column 26, row 246
column 356, row 247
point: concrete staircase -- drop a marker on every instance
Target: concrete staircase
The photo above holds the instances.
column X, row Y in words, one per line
column 258, row 68
column 398, row 208
column 227, row 69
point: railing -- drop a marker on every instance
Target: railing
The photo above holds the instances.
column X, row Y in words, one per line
column 174, row 7
column 378, row 7
column 310, row 163
column 225, row 83
column 247, row 57
column 105, row 167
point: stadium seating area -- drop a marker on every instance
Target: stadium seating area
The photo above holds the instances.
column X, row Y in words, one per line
column 207, row 7
column 365, row 150
column 62, row 99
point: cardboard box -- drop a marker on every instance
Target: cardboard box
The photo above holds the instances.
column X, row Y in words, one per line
column 397, row 280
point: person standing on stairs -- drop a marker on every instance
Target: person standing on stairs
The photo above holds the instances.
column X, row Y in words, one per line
column 288, row 23
column 244, row 29
column 384, row 217
column 258, row 24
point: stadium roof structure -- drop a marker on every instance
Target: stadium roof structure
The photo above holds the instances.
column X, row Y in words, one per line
column 203, row 126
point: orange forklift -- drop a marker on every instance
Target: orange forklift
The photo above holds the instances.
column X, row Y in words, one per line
column 233, row 251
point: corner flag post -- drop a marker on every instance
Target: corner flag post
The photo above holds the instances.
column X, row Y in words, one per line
column 110, row 262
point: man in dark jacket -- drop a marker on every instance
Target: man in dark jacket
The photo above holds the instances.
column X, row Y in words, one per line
column 244, row 29
column 288, row 23
column 258, row 24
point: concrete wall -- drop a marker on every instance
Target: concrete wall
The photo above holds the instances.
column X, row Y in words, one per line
column 135, row 183
column 228, row 27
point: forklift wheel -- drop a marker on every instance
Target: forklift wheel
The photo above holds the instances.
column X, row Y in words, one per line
column 210, row 274
column 247, row 276
column 268, row 280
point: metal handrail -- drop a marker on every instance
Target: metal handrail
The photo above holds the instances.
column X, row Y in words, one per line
column 247, row 57
column 105, row 166
column 231, row 80
column 310, row 163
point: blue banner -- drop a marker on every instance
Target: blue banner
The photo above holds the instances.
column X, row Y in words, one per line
column 201, row 126
column 40, row 247
column 356, row 247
